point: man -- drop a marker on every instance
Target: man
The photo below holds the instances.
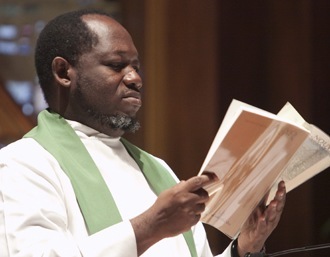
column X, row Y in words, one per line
column 74, row 187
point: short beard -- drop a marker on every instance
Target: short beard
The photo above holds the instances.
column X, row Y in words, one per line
column 116, row 121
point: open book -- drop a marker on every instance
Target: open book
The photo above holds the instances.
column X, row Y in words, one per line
column 252, row 151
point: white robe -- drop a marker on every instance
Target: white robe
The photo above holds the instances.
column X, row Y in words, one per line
column 39, row 214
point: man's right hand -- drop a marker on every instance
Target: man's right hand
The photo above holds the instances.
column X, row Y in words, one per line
column 175, row 211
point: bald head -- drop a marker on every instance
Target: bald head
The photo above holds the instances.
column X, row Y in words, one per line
column 107, row 28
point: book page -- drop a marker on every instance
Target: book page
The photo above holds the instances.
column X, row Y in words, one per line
column 311, row 158
column 247, row 159
column 234, row 110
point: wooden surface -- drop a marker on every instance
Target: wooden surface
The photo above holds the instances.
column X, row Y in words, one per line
column 13, row 124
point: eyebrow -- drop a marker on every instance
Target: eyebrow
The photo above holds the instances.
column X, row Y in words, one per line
column 123, row 55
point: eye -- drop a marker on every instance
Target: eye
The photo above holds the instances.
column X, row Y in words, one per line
column 117, row 66
column 136, row 68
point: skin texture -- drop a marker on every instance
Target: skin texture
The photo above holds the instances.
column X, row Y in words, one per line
column 106, row 82
column 261, row 223
column 105, row 79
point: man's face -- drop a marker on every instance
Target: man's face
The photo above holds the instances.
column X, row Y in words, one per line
column 107, row 89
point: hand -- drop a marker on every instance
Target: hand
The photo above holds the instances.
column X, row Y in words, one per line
column 175, row 211
column 261, row 223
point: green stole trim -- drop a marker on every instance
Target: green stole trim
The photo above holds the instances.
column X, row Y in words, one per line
column 58, row 138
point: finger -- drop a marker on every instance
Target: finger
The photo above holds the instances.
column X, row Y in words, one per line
column 199, row 208
column 271, row 214
column 198, row 182
column 203, row 195
column 280, row 196
column 274, row 212
column 196, row 217
column 261, row 226
column 279, row 199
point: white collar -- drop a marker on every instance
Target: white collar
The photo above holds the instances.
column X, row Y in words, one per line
column 85, row 132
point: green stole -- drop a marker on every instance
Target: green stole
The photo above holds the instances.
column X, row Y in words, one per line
column 58, row 138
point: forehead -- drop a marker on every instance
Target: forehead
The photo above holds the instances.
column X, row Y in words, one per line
column 113, row 37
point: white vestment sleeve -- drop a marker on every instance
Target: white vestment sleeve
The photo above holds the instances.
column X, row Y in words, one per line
column 39, row 215
column 117, row 240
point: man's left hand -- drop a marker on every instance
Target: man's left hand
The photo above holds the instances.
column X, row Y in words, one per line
column 261, row 223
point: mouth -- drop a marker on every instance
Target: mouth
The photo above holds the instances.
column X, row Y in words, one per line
column 134, row 98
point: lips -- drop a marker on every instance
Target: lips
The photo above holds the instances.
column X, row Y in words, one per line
column 133, row 98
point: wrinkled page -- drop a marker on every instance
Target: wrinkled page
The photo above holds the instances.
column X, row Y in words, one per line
column 311, row 158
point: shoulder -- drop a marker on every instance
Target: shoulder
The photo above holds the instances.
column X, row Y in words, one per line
column 23, row 150
column 25, row 158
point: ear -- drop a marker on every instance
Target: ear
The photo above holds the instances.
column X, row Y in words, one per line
column 61, row 69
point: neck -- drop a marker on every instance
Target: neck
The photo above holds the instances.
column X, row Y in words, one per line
column 90, row 122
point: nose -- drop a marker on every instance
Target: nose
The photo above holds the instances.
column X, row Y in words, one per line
column 132, row 79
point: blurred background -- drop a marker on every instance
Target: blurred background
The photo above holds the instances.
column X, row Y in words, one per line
column 196, row 57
